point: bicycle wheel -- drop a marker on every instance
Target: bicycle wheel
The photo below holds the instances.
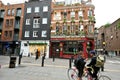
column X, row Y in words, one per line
column 103, row 77
column 72, row 74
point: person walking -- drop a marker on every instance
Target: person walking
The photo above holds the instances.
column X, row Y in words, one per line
column 36, row 53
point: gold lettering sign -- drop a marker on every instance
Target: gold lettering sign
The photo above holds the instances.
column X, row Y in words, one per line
column 72, row 38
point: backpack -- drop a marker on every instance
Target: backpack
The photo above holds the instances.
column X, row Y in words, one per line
column 79, row 63
column 100, row 60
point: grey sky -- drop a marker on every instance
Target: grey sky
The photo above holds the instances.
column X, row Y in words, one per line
column 106, row 11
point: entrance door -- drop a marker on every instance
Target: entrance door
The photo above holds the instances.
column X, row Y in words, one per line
column 56, row 49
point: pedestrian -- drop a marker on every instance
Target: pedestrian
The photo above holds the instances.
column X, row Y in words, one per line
column 36, row 53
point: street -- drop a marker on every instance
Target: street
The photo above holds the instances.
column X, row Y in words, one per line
column 30, row 69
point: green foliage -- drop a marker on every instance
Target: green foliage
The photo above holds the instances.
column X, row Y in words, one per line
column 118, row 25
column 107, row 25
column 37, row 43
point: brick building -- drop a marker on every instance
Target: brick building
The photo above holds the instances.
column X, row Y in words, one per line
column 108, row 38
column 11, row 19
column 72, row 28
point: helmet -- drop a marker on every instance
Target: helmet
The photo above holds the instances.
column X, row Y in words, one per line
column 92, row 52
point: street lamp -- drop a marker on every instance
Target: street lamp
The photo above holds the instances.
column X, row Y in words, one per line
column 95, row 37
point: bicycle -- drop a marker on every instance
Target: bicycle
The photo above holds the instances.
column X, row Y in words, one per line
column 73, row 74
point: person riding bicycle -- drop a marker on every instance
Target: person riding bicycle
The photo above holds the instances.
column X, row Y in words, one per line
column 96, row 63
column 79, row 63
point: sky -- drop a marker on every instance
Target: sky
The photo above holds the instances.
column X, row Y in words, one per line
column 106, row 11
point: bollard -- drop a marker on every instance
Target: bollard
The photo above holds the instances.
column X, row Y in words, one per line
column 43, row 57
column 70, row 63
column 53, row 58
column 20, row 56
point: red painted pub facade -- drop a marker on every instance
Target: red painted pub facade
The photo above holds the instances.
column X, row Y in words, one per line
column 67, row 47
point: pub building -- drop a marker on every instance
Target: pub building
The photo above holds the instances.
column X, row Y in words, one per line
column 72, row 28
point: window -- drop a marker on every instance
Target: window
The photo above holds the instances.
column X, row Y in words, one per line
column 90, row 28
column 8, row 11
column 80, row 27
column 13, row 12
column 72, row 14
column 35, row 33
column 57, row 16
column 80, row 13
column 45, row 8
column 44, row 21
column 89, row 12
column 44, row 33
column 6, row 33
column 36, row 23
column 27, row 33
column 36, row 9
column 18, row 13
column 27, row 21
column 28, row 10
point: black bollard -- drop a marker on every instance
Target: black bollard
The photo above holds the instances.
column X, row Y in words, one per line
column 53, row 58
column 70, row 63
column 19, row 61
column 43, row 61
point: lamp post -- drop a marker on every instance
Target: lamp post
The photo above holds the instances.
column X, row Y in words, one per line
column 95, row 38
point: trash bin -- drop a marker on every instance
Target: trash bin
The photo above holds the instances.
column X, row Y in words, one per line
column 12, row 62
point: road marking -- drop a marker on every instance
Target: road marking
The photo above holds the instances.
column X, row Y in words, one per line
column 114, row 61
column 112, row 70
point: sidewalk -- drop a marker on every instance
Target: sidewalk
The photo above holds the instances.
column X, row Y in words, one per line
column 30, row 69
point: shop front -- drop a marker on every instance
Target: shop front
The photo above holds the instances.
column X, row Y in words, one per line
column 68, row 47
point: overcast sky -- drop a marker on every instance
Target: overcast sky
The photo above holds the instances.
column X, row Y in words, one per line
column 106, row 11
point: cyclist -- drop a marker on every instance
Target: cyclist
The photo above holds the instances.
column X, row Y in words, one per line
column 96, row 63
column 79, row 63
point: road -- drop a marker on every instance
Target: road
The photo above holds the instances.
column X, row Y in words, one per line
column 30, row 69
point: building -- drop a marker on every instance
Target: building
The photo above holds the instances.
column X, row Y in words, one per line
column 36, row 27
column 72, row 28
column 108, row 37
column 11, row 19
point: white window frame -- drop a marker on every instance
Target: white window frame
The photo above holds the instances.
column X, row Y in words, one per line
column 57, row 16
column 35, row 33
column 29, row 10
column 36, row 23
column 45, row 8
column 80, row 13
column 44, row 33
column 27, row 21
column 44, row 20
column 89, row 12
column 27, row 34
column 72, row 14
column 37, row 9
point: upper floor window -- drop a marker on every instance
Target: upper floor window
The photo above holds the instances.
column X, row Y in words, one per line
column 19, row 11
column 36, row 23
column 90, row 13
column 45, row 8
column 44, row 33
column 90, row 28
column 44, row 21
column 57, row 16
column 72, row 14
column 37, row 9
column 8, row 11
column 29, row 10
column 27, row 21
column 13, row 12
column 80, row 13
column 35, row 33
column 27, row 34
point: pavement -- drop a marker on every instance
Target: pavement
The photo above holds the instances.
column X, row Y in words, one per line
column 31, row 69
